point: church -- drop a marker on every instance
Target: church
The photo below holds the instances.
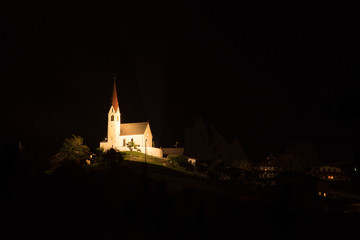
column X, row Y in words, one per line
column 119, row 134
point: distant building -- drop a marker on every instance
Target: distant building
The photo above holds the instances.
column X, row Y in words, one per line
column 339, row 171
column 173, row 151
column 119, row 134
column 269, row 168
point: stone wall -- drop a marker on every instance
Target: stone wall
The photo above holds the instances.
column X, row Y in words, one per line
column 156, row 152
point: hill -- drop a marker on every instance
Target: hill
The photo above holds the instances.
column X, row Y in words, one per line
column 138, row 201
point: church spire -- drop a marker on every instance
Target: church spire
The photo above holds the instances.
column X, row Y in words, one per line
column 114, row 101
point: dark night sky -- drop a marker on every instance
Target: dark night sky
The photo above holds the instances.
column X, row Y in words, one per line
column 266, row 74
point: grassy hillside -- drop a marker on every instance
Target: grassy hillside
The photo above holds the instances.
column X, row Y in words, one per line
column 140, row 157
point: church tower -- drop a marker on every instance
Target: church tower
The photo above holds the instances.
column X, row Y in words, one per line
column 114, row 121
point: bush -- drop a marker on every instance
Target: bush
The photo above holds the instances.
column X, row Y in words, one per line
column 181, row 161
column 68, row 168
column 112, row 158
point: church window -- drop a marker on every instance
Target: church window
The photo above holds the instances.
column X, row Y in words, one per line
column 124, row 142
column 112, row 117
column 132, row 140
column 117, row 118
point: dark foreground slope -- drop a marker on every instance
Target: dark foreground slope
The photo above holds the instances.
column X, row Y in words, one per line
column 159, row 203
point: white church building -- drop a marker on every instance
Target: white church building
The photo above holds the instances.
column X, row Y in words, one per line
column 119, row 134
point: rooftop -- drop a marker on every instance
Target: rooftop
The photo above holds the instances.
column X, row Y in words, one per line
column 133, row 128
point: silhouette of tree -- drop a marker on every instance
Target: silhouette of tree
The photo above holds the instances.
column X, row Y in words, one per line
column 13, row 160
column 112, row 158
column 211, row 148
column 197, row 143
column 237, row 157
column 300, row 156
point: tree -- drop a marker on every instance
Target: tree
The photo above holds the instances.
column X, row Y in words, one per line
column 197, row 143
column 132, row 146
column 209, row 147
column 300, row 156
column 181, row 161
column 73, row 149
column 237, row 157
column 112, row 158
column 99, row 157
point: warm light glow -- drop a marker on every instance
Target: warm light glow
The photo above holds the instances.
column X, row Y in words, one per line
column 319, row 193
column 324, row 194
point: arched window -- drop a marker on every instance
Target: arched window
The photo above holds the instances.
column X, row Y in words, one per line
column 112, row 117
column 117, row 118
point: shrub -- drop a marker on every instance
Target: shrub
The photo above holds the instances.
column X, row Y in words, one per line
column 181, row 161
column 112, row 158
column 68, row 168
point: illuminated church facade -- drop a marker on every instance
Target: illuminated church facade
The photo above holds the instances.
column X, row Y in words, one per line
column 119, row 134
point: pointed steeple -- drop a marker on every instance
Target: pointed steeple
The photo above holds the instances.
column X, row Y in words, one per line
column 114, row 101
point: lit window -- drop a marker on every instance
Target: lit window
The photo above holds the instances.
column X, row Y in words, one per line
column 332, row 177
column 324, row 194
column 117, row 118
column 319, row 193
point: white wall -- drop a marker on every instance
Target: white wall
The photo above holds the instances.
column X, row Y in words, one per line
column 156, row 152
column 113, row 136
column 138, row 139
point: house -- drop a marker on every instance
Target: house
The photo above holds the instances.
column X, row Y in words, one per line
column 172, row 151
column 339, row 171
column 269, row 168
